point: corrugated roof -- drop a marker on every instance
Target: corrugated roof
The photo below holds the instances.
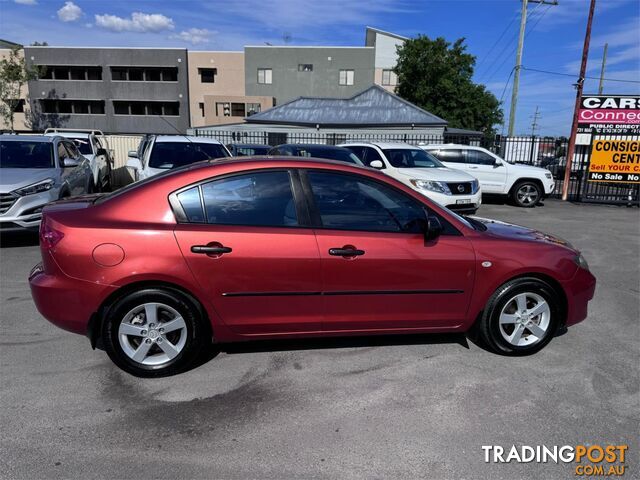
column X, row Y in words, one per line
column 9, row 44
column 371, row 107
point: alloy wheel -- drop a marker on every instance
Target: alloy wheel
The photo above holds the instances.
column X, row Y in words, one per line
column 525, row 319
column 527, row 195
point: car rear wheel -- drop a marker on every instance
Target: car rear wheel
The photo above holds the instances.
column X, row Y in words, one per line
column 154, row 332
column 521, row 317
column 526, row 194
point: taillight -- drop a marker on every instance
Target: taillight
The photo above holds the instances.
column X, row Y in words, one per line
column 49, row 236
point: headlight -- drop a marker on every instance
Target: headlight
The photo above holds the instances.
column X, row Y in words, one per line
column 431, row 185
column 548, row 175
column 39, row 187
column 581, row 262
column 475, row 186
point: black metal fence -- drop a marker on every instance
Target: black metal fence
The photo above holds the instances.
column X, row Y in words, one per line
column 544, row 152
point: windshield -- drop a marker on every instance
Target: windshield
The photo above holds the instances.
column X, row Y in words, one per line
column 249, row 151
column 176, row 154
column 330, row 154
column 411, row 158
column 83, row 145
column 25, row 154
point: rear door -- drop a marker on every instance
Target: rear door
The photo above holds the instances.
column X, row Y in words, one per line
column 244, row 238
column 377, row 270
column 483, row 166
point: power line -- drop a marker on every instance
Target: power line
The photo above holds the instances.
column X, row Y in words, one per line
column 573, row 75
column 497, row 41
column 506, row 84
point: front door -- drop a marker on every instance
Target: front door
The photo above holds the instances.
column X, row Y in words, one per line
column 242, row 239
column 378, row 272
column 492, row 176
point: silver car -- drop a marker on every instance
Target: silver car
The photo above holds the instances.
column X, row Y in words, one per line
column 36, row 170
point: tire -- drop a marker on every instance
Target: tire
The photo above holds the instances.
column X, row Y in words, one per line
column 150, row 351
column 526, row 194
column 505, row 330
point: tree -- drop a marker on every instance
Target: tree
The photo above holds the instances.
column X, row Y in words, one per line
column 436, row 75
column 14, row 75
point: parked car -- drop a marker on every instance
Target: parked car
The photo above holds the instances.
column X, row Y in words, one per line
column 164, row 152
column 36, row 170
column 248, row 149
column 93, row 145
column 313, row 150
column 523, row 184
column 255, row 249
column 455, row 190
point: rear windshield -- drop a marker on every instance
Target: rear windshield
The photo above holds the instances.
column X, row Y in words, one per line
column 411, row 158
column 83, row 144
column 169, row 155
column 249, row 151
column 330, row 154
column 26, row 154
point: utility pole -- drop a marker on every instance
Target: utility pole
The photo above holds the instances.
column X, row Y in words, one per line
column 576, row 109
column 604, row 62
column 534, row 122
column 518, row 67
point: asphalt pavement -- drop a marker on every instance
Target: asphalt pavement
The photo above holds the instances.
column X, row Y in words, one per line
column 384, row 407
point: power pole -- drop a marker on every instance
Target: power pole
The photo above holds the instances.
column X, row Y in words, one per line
column 534, row 122
column 518, row 67
column 604, row 62
column 576, row 109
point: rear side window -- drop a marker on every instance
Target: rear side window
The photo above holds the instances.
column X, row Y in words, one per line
column 255, row 199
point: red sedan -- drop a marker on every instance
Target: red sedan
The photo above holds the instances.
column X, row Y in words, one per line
column 243, row 249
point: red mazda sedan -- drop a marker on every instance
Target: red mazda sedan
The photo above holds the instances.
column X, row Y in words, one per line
column 234, row 250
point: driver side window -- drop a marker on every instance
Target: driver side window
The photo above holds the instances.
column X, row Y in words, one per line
column 350, row 202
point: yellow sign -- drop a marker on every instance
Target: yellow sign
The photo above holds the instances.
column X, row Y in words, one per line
column 615, row 161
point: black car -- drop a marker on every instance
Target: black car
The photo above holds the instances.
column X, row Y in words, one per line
column 248, row 149
column 328, row 152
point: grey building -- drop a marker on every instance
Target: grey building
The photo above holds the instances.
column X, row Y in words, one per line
column 116, row 90
column 285, row 73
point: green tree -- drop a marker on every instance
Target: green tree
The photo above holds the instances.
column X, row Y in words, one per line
column 14, row 75
column 436, row 75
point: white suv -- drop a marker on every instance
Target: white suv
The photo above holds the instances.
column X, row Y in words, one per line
column 453, row 189
column 525, row 185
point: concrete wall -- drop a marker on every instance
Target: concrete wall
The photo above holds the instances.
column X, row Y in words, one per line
column 109, row 90
column 19, row 119
column 323, row 81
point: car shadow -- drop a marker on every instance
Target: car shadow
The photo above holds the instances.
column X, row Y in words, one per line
column 287, row 345
column 27, row 238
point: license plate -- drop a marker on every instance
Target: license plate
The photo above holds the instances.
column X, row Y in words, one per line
column 466, row 200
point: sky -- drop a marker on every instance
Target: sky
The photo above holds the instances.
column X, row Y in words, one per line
column 553, row 42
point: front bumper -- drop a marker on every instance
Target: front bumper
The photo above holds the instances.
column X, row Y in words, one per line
column 580, row 290
column 26, row 212
column 467, row 203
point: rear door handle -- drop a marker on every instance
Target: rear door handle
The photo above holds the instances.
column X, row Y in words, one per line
column 210, row 249
column 345, row 252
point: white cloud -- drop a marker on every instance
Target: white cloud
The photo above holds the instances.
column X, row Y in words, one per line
column 194, row 36
column 70, row 12
column 139, row 22
column 26, row 2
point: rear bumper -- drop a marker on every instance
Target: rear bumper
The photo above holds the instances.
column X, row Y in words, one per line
column 580, row 290
column 66, row 302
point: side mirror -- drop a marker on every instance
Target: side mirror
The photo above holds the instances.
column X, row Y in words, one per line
column 376, row 164
column 70, row 162
column 101, row 152
column 132, row 154
column 434, row 228
column 497, row 164
column 134, row 164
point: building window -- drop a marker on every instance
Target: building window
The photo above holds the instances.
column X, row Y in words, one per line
column 75, row 107
column 346, row 77
column 237, row 110
column 201, row 107
column 146, row 74
column 128, row 107
column 223, row 109
column 16, row 105
column 207, row 75
column 253, row 108
column 69, row 72
column 305, row 67
column 265, row 76
column 389, row 77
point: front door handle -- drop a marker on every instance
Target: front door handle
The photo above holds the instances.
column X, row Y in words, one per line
column 345, row 252
column 211, row 249
column 473, row 168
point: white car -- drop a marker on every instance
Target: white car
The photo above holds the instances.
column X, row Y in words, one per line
column 164, row 152
column 525, row 185
column 453, row 189
column 94, row 147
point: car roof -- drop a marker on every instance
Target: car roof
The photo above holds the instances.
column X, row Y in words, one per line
column 29, row 138
column 449, row 145
column 186, row 139
column 68, row 134
column 383, row 145
column 253, row 145
column 311, row 146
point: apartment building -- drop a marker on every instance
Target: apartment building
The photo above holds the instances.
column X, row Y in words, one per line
column 20, row 118
column 386, row 56
column 117, row 90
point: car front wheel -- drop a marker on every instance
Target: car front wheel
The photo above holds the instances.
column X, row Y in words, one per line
column 521, row 317
column 526, row 194
column 154, row 332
